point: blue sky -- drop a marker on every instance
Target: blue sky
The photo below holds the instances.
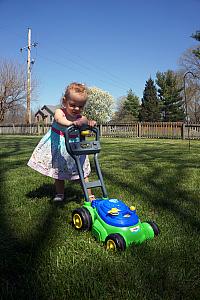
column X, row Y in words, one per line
column 111, row 44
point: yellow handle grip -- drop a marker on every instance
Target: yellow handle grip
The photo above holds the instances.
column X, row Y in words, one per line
column 85, row 132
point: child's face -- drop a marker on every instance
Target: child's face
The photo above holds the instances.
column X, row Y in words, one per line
column 75, row 104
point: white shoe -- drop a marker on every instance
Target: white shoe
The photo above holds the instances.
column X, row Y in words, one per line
column 58, row 198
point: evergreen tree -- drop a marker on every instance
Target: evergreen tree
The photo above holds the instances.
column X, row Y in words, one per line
column 121, row 115
column 150, row 108
column 196, row 36
column 169, row 93
column 131, row 104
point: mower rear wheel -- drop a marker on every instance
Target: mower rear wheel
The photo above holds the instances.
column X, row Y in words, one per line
column 81, row 219
column 115, row 242
column 155, row 227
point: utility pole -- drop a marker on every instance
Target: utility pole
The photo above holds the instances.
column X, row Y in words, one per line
column 28, row 99
column 29, row 62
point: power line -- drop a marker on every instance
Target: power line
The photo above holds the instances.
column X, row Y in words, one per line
column 114, row 76
column 113, row 79
column 69, row 67
column 117, row 81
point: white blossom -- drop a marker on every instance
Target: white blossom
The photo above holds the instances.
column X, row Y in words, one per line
column 99, row 105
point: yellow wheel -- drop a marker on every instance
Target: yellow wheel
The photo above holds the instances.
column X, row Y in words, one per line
column 115, row 242
column 110, row 245
column 81, row 219
column 77, row 221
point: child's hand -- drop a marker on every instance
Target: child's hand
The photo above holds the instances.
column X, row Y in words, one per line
column 92, row 123
column 83, row 120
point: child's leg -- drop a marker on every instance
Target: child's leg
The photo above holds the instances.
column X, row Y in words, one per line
column 60, row 185
column 91, row 196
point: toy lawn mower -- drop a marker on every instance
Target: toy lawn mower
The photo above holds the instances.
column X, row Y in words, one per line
column 110, row 220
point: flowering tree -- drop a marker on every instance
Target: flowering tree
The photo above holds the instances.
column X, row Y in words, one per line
column 99, row 105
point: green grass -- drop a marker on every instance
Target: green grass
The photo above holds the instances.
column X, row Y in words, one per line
column 43, row 257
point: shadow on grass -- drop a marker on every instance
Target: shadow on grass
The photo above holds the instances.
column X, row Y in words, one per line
column 162, row 198
column 19, row 256
column 167, row 194
column 144, row 269
column 48, row 190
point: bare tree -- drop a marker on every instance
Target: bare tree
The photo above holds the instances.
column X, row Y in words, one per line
column 12, row 87
column 192, row 98
column 190, row 63
column 16, row 115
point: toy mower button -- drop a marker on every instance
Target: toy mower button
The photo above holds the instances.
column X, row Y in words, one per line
column 114, row 211
column 132, row 208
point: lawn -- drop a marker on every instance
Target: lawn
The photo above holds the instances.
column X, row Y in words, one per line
column 43, row 257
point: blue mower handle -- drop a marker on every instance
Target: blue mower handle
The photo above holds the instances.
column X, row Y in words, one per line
column 82, row 128
column 73, row 128
column 85, row 147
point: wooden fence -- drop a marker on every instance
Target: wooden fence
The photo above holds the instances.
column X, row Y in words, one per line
column 172, row 130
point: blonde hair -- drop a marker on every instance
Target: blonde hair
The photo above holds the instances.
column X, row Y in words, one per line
column 76, row 87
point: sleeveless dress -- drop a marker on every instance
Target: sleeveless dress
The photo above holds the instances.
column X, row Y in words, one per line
column 51, row 158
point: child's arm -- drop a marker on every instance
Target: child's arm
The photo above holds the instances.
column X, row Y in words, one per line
column 61, row 119
column 83, row 120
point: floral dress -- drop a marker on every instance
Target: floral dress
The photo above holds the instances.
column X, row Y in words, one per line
column 51, row 158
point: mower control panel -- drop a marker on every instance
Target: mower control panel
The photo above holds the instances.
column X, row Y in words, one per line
column 85, row 147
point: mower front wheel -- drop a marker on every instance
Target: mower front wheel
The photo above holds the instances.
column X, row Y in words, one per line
column 81, row 219
column 115, row 242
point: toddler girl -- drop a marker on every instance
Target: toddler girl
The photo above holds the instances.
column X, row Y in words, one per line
column 50, row 156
